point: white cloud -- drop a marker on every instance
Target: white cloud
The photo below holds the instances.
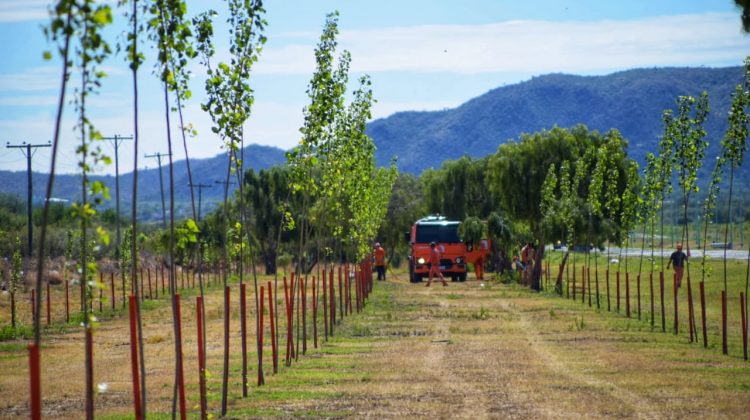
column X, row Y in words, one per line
column 32, row 79
column 23, row 10
column 530, row 46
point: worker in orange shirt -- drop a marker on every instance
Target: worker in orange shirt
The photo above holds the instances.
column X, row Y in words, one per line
column 379, row 257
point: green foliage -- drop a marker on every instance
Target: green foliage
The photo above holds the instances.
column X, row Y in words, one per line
column 472, row 230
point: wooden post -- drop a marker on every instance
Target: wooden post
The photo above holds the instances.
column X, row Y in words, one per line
column 49, row 305
column 651, row 288
column 303, row 291
column 596, row 277
column 743, row 314
column 617, row 294
column 67, row 301
column 180, row 372
column 274, row 343
column 261, row 380
column 243, row 338
column 35, row 395
column 627, row 294
column 703, row 315
column 661, row 296
column 332, row 298
column 112, row 286
column 676, row 312
column 201, row 358
column 638, row 286
column 724, row 347
column 315, row 313
column 609, row 305
column 134, row 357
column 691, row 313
column 323, row 286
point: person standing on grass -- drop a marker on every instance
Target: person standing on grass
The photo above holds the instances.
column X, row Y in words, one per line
column 379, row 257
column 677, row 259
column 435, row 265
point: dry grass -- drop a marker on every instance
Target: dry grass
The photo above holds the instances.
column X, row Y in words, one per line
column 462, row 351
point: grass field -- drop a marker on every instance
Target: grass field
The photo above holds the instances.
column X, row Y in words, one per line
column 471, row 350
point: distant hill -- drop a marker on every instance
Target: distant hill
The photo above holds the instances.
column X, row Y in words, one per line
column 631, row 101
column 205, row 171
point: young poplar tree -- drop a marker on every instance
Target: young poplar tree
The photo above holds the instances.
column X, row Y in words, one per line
column 135, row 58
column 734, row 145
column 229, row 104
column 689, row 149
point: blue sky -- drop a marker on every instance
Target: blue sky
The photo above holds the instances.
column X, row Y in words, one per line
column 421, row 55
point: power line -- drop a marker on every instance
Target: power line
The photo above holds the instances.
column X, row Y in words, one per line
column 200, row 191
column 115, row 141
column 158, row 157
column 28, row 150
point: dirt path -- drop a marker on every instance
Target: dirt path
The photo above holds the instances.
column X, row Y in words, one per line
column 469, row 350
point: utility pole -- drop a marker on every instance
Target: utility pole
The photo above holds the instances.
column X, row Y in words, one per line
column 200, row 191
column 116, row 140
column 158, row 157
column 27, row 151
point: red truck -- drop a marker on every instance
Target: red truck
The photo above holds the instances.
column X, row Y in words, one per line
column 455, row 254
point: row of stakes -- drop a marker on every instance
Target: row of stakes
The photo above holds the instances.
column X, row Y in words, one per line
column 571, row 286
column 354, row 288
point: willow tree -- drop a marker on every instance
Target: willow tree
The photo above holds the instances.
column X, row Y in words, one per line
column 517, row 170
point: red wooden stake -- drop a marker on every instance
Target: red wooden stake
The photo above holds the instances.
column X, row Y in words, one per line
column 303, row 291
column 181, row 372
column 201, row 358
column 676, row 313
column 724, row 348
column 142, row 288
column 638, row 292
column 341, row 297
column 67, row 301
column 90, row 373
column 243, row 329
column 35, row 397
column 148, row 274
column 292, row 297
column 134, row 357
column 274, row 346
column 122, row 277
column 324, row 287
column 661, row 297
column 315, row 313
column 617, row 292
column 703, row 315
column 691, row 313
column 744, row 324
column 609, row 305
column 287, row 356
column 260, row 337
column 332, row 297
column 112, row 286
column 49, row 305
column 627, row 294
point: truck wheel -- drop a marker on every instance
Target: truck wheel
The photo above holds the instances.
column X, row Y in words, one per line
column 416, row 278
column 462, row 277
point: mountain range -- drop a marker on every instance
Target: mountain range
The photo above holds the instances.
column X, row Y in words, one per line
column 631, row 101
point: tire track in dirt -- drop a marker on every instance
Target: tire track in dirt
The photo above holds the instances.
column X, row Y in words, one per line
column 474, row 405
column 542, row 348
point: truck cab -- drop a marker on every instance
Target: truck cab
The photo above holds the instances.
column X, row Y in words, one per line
column 445, row 235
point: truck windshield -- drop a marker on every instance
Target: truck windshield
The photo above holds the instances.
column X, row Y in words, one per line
column 438, row 233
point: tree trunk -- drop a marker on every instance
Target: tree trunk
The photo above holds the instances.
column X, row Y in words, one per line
column 536, row 275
